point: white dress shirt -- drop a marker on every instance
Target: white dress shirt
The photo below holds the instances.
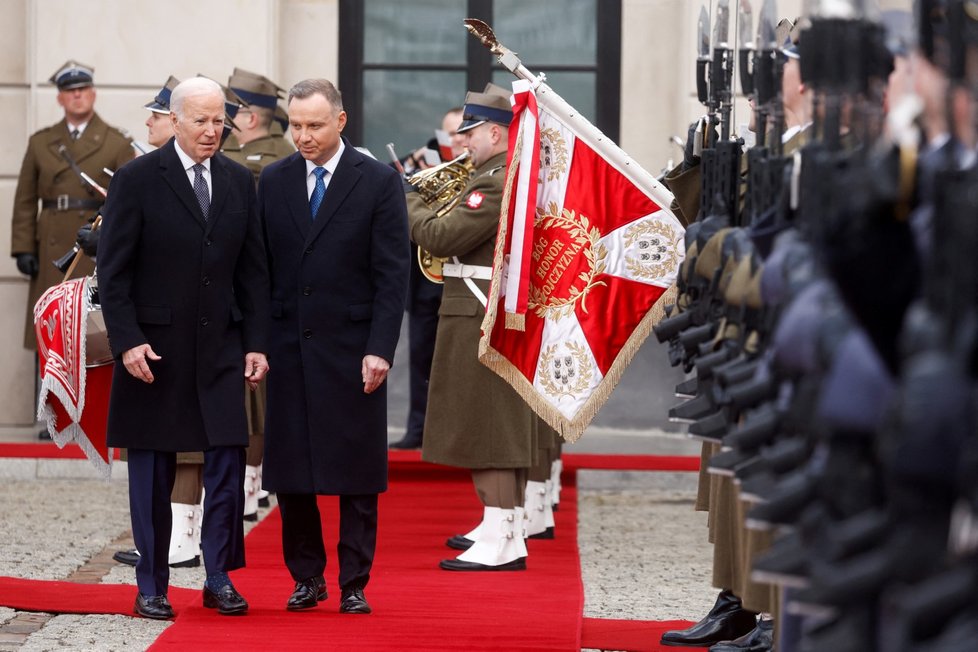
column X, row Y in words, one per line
column 330, row 166
column 188, row 167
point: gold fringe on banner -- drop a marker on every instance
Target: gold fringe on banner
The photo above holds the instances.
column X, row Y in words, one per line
column 572, row 429
column 515, row 322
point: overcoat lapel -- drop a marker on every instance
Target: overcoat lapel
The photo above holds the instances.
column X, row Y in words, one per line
column 57, row 137
column 221, row 180
column 344, row 179
column 294, row 175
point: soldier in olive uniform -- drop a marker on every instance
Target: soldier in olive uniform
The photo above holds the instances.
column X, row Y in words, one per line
column 81, row 139
column 475, row 420
column 252, row 144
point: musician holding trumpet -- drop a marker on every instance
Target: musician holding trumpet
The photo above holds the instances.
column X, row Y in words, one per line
column 494, row 435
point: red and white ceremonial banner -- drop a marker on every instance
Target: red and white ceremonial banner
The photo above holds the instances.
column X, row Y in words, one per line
column 586, row 253
column 74, row 400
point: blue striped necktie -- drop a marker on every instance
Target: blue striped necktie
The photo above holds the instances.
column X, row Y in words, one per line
column 318, row 192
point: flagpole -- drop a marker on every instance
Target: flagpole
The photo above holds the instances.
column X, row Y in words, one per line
column 547, row 98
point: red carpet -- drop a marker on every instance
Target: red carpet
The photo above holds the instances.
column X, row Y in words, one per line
column 47, row 450
column 631, row 635
column 416, row 605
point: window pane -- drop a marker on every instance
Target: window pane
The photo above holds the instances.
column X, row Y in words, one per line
column 420, row 31
column 548, row 31
column 405, row 107
column 577, row 88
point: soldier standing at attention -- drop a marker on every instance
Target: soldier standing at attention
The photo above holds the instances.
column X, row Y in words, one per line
column 475, row 420
column 50, row 174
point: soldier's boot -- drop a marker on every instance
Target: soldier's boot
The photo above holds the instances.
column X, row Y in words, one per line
column 464, row 541
column 199, row 522
column 184, row 543
column 556, row 467
column 519, row 531
column 548, row 510
column 537, row 505
column 262, row 494
column 251, row 485
column 500, row 546
column 519, row 526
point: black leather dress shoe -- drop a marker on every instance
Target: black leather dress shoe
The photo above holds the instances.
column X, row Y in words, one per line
column 128, row 557
column 546, row 534
column 251, row 518
column 459, row 565
column 156, row 607
column 44, row 435
column 226, row 600
column 726, row 621
column 264, row 502
column 760, row 639
column 406, row 444
column 353, row 602
column 193, row 562
column 308, row 593
column 459, row 542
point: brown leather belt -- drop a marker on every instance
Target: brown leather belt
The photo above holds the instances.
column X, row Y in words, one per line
column 66, row 203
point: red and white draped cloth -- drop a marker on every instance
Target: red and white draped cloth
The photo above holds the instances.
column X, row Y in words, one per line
column 585, row 255
column 73, row 401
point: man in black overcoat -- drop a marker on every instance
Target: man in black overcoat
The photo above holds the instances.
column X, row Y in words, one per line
column 335, row 226
column 183, row 284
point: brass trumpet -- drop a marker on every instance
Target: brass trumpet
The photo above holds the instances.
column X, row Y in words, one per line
column 441, row 189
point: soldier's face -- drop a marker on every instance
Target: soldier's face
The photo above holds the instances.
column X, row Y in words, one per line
column 160, row 128
column 316, row 127
column 199, row 126
column 78, row 103
column 481, row 142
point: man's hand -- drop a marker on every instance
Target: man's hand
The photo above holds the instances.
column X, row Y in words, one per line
column 27, row 264
column 374, row 371
column 87, row 239
column 135, row 360
column 256, row 366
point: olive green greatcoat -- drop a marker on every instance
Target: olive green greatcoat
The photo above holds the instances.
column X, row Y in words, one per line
column 475, row 419
column 258, row 153
column 45, row 174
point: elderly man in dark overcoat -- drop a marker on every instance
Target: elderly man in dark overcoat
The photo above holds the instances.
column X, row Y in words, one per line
column 184, row 291
column 336, row 233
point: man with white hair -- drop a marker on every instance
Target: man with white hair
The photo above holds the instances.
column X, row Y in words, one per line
column 184, row 291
